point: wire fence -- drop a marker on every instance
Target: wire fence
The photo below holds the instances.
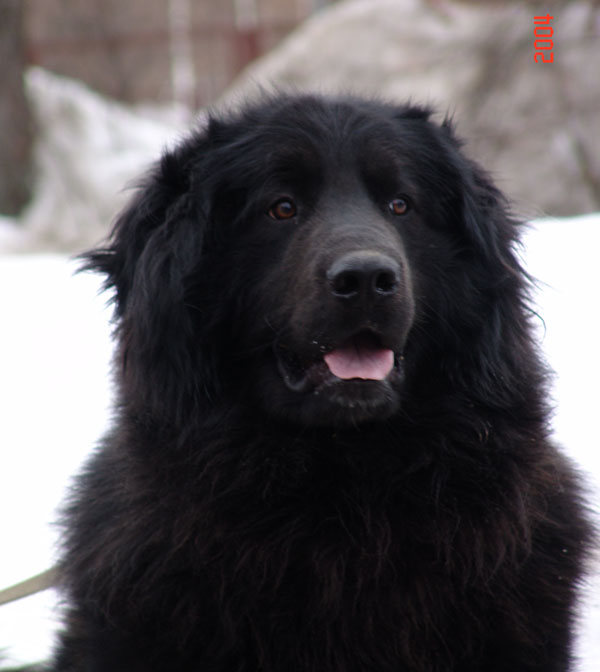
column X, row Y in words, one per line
column 169, row 50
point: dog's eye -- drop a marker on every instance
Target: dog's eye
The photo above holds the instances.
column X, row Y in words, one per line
column 399, row 206
column 284, row 208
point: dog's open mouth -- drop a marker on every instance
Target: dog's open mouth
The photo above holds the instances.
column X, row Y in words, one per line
column 362, row 357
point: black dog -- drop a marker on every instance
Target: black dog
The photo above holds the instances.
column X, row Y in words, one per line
column 332, row 449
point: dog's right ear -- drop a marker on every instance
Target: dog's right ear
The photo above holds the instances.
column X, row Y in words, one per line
column 156, row 247
column 157, row 194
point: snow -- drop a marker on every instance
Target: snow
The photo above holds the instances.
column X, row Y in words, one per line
column 563, row 254
column 10, row 233
column 55, row 393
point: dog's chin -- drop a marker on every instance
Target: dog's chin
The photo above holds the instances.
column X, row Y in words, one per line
column 315, row 396
column 351, row 402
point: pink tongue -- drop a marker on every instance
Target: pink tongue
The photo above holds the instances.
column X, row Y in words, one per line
column 360, row 361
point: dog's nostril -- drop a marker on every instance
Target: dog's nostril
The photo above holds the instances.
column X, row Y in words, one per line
column 365, row 273
column 386, row 282
column 346, row 283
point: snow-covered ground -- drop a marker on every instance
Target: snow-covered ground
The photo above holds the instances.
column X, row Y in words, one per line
column 55, row 395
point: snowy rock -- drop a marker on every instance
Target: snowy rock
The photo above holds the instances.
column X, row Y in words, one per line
column 88, row 149
column 535, row 126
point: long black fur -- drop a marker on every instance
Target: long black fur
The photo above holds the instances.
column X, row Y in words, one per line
column 231, row 522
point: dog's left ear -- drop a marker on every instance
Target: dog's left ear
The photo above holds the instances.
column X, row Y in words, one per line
column 492, row 235
column 155, row 246
column 488, row 222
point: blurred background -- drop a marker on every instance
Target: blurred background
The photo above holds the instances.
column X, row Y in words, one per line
column 91, row 92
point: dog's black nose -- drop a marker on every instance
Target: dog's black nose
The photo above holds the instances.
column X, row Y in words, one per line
column 364, row 273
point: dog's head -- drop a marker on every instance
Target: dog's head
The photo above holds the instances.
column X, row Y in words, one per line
column 319, row 260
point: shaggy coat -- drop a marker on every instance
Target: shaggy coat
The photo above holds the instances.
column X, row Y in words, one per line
column 331, row 448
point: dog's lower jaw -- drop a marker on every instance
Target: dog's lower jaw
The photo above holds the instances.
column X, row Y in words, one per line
column 317, row 397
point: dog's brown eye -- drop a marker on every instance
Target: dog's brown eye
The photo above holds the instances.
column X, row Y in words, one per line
column 283, row 209
column 399, row 206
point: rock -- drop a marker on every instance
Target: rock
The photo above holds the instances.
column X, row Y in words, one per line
column 535, row 126
column 87, row 151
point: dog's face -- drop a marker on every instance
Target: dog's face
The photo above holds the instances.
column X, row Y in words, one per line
column 335, row 289
column 310, row 252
